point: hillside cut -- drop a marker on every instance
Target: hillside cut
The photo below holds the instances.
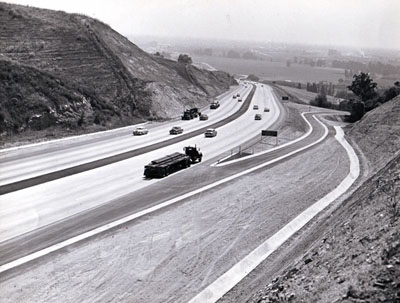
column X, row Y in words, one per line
column 71, row 71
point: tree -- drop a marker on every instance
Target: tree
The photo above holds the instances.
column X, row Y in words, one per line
column 357, row 110
column 363, row 86
column 183, row 58
column 321, row 101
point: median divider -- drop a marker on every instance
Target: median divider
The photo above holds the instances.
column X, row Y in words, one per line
column 8, row 188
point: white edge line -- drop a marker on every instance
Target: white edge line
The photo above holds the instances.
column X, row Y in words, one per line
column 310, row 129
column 229, row 279
column 124, row 220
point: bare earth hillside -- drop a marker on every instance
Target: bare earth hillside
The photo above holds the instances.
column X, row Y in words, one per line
column 355, row 256
column 118, row 82
column 378, row 133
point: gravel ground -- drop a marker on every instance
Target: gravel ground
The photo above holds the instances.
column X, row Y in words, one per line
column 172, row 255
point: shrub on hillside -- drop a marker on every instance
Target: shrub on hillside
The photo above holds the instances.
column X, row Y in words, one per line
column 184, row 58
column 252, row 77
column 322, row 101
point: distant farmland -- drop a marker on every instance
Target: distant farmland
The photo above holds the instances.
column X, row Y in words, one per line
column 273, row 70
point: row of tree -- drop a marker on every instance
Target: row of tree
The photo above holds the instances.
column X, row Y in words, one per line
column 321, row 88
column 374, row 67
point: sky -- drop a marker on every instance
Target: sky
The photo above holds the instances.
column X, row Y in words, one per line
column 356, row 23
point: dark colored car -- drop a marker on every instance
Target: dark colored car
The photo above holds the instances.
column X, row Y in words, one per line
column 176, row 130
column 214, row 105
column 257, row 117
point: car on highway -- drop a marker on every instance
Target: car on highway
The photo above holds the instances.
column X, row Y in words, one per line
column 234, row 96
column 255, row 106
column 203, row 117
column 140, row 130
column 266, row 109
column 237, row 95
column 240, row 100
column 176, row 130
column 211, row 132
column 214, row 105
column 257, row 117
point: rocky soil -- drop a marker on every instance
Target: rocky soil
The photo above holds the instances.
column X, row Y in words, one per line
column 74, row 72
column 357, row 257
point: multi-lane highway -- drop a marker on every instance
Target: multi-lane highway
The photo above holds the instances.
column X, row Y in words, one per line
column 31, row 208
column 24, row 163
column 67, row 210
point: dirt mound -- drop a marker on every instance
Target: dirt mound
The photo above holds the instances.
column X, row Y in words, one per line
column 377, row 134
column 357, row 259
column 121, row 82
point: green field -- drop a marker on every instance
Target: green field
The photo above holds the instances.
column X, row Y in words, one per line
column 273, row 70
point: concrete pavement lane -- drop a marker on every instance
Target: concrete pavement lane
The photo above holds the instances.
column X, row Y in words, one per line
column 30, row 172
column 185, row 181
column 34, row 207
column 29, row 162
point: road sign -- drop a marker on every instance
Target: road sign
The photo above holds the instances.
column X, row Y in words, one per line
column 271, row 133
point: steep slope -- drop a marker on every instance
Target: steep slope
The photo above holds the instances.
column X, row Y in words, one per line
column 377, row 134
column 357, row 259
column 121, row 82
column 353, row 253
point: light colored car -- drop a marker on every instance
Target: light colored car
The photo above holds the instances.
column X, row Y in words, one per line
column 266, row 109
column 203, row 117
column 176, row 130
column 255, row 106
column 138, row 131
column 257, row 117
column 211, row 132
column 214, row 105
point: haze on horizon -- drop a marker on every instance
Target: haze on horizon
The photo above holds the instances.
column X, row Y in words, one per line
column 355, row 23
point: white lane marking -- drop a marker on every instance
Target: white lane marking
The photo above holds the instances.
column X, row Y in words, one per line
column 124, row 220
column 233, row 276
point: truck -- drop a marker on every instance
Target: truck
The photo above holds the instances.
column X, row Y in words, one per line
column 171, row 163
column 189, row 114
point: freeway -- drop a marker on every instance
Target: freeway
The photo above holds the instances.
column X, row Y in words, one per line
column 148, row 196
column 21, row 166
column 35, row 208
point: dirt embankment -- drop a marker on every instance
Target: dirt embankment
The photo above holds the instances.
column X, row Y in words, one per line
column 357, row 257
column 378, row 134
column 119, row 83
